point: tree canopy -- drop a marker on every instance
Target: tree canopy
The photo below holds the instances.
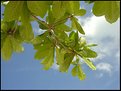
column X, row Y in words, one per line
column 60, row 41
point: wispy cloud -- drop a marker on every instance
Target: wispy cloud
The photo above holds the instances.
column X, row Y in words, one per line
column 105, row 67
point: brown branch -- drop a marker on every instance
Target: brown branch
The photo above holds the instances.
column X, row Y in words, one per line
column 43, row 22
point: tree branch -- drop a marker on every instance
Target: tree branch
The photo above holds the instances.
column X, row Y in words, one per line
column 50, row 28
column 43, row 22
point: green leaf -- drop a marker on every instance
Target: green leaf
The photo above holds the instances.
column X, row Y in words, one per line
column 42, row 50
column 80, row 12
column 88, row 53
column 72, row 42
column 74, row 71
column 74, row 62
column 91, row 45
column 26, row 28
column 40, row 38
column 26, row 32
column 89, row 63
column 78, row 26
column 72, row 35
column 49, row 60
column 81, row 74
column 62, row 36
column 110, row 9
column 38, row 8
column 58, row 9
column 68, row 57
column 82, row 42
column 77, row 71
column 4, row 26
column 60, row 55
column 17, row 35
column 42, row 44
column 99, row 8
column 17, row 47
column 113, row 12
column 3, row 37
column 76, row 47
column 72, row 6
column 63, row 27
column 7, row 48
column 50, row 18
column 12, row 10
column 62, row 20
column 40, row 54
column 36, row 40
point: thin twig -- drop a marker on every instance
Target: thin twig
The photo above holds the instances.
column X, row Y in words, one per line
column 43, row 22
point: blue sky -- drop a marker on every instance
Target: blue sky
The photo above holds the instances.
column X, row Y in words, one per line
column 22, row 71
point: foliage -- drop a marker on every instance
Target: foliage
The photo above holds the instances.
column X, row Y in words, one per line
column 59, row 41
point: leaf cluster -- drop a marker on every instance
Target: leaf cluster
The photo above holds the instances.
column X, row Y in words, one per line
column 61, row 42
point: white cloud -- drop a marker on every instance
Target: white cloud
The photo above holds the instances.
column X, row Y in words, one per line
column 106, row 35
column 105, row 67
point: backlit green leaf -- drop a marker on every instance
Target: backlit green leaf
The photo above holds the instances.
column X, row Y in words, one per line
column 40, row 38
column 60, row 55
column 7, row 48
column 4, row 26
column 26, row 28
column 38, row 8
column 81, row 74
column 68, row 57
column 17, row 47
column 78, row 26
column 50, row 18
column 3, row 37
column 110, row 9
column 72, row 6
column 91, row 45
column 74, row 71
column 89, row 63
column 88, row 53
column 62, row 36
column 113, row 12
column 58, row 9
column 26, row 32
column 80, row 12
column 42, row 50
column 82, row 42
column 99, row 8
column 49, row 60
column 12, row 10
column 63, row 27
